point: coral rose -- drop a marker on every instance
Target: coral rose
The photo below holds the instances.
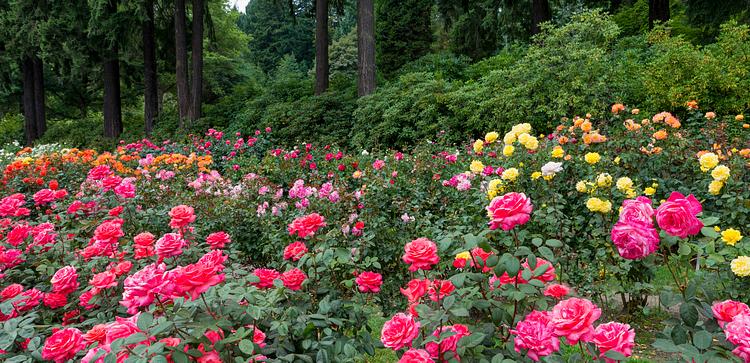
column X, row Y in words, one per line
column 266, row 277
column 293, row 279
column 421, row 254
column 218, row 240
column 181, row 216
column 295, row 250
column 574, row 318
column 306, row 225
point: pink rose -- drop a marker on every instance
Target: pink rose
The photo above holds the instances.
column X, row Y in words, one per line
column 634, row 240
column 416, row 356
column 54, row 300
column 637, row 210
column 421, row 254
column 141, row 288
column 181, row 216
column 541, row 265
column 677, row 216
column 218, row 240
column 399, row 332
column 737, row 332
column 121, row 328
column 509, row 210
column 439, row 289
column 447, row 344
column 194, row 279
column 574, row 318
column 556, row 291
column 266, row 277
column 293, row 279
column 415, row 289
column 306, row 225
column 295, row 250
column 65, row 280
column 10, row 292
column 368, row 281
column 614, row 336
column 63, row 345
column 169, row 245
column 725, row 311
column 535, row 334
column 103, row 280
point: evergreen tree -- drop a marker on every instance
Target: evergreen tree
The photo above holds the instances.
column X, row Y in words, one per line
column 404, row 32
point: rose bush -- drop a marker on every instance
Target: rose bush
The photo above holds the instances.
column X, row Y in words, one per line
column 512, row 247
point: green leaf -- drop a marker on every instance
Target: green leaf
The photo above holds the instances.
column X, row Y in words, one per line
column 472, row 340
column 613, row 354
column 145, row 320
column 512, row 265
column 709, row 232
column 246, row 346
column 710, row 221
column 688, row 314
column 702, row 339
column 554, row 243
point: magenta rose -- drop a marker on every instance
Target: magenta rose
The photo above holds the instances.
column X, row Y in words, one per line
column 421, row 254
column 677, row 216
column 616, row 337
column 574, row 318
column 399, row 332
column 536, row 335
column 509, row 210
column 63, row 345
column 634, row 240
column 637, row 210
column 65, row 280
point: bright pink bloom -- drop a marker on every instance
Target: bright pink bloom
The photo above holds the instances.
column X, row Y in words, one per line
column 509, row 210
column 574, row 318
column 63, row 345
column 725, row 311
column 295, row 251
column 677, row 216
column 10, row 292
column 556, row 291
column 368, row 281
column 634, row 240
column 293, row 279
column 266, row 277
column 306, row 225
column 614, row 336
column 65, row 280
column 637, row 210
column 194, row 279
column 541, row 264
column 421, row 254
column 218, row 240
column 181, row 216
column 54, row 300
column 142, row 287
column 535, row 334
column 416, row 356
column 439, row 289
column 479, row 254
column 415, row 289
column 738, row 333
column 103, row 280
column 399, row 332
column 169, row 245
column 449, row 344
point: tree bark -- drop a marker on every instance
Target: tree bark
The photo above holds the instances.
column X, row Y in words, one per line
column 150, row 104
column 321, row 46
column 197, row 58
column 29, row 110
column 365, row 47
column 181, row 76
column 540, row 13
column 658, row 10
column 40, row 114
column 112, row 106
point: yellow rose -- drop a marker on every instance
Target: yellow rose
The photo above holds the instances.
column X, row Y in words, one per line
column 508, row 150
column 581, row 186
column 617, row 160
column 731, row 236
column 478, row 146
column 624, row 183
column 465, row 255
column 509, row 138
column 630, row 193
column 524, row 128
column 532, row 143
column 524, row 138
column 741, row 266
column 493, row 187
column 594, row 204
column 510, row 174
column 606, row 207
column 708, row 161
column 720, row 173
column 715, row 187
column 592, row 158
column 491, row 137
column 649, row 191
column 476, row 167
column 604, row 180
column 535, row 175
column 558, row 152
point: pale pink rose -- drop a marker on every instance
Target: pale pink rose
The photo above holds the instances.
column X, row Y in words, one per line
column 509, row 210
column 616, row 337
column 677, row 216
column 421, row 254
column 399, row 332
column 574, row 318
column 536, row 335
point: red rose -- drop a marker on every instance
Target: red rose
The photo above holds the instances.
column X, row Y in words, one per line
column 439, row 289
column 295, row 251
column 293, row 279
column 10, row 292
column 266, row 277
column 415, row 289
column 53, row 300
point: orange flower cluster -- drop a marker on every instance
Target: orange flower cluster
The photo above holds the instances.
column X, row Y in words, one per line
column 181, row 161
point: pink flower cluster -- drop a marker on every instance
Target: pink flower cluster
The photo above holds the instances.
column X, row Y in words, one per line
column 509, row 211
column 734, row 318
column 634, row 234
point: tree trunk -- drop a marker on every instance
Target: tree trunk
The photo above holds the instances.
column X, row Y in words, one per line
column 150, row 104
column 197, row 55
column 540, row 13
column 365, row 47
column 112, row 107
column 39, row 100
column 29, row 109
column 321, row 46
column 658, row 10
column 181, row 77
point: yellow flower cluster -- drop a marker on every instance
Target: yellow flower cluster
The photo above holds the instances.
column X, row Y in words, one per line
column 478, row 146
column 720, row 173
column 491, row 137
column 597, row 205
column 741, row 266
column 592, row 158
column 708, row 161
column 604, row 180
column 522, row 134
column 510, row 174
column 558, row 152
column 476, row 167
column 494, row 187
column 625, row 185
